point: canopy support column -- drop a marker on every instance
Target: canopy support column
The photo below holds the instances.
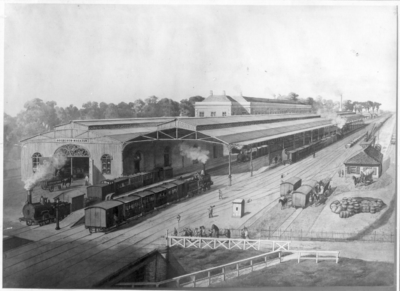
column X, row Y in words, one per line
column 230, row 161
column 251, row 161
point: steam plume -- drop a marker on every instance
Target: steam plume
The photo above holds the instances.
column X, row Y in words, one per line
column 194, row 153
column 336, row 120
column 45, row 171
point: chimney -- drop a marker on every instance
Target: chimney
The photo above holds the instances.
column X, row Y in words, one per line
column 204, row 168
column 29, row 197
column 211, row 93
column 223, row 93
column 340, row 102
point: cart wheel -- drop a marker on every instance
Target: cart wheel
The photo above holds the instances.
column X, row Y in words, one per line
column 51, row 189
column 90, row 230
column 29, row 222
column 68, row 184
column 59, row 187
column 40, row 223
column 47, row 221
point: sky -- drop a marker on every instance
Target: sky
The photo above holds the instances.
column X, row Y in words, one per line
column 72, row 53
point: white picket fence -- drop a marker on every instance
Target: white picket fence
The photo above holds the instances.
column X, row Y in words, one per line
column 226, row 243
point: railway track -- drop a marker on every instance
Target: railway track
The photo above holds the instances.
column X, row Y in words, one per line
column 80, row 260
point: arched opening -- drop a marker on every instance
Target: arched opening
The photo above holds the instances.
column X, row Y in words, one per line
column 72, row 160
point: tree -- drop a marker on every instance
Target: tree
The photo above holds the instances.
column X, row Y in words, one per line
column 196, row 98
column 138, row 106
column 168, row 107
column 150, row 109
column 186, row 108
column 293, row 96
column 111, row 112
column 90, row 110
column 126, row 110
column 377, row 105
column 348, row 105
column 310, row 101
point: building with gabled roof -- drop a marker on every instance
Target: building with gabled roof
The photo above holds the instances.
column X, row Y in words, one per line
column 224, row 105
column 368, row 159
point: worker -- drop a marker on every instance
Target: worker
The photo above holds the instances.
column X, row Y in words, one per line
column 87, row 180
column 210, row 212
column 314, row 154
column 220, row 194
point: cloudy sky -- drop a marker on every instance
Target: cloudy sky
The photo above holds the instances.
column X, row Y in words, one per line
column 111, row 53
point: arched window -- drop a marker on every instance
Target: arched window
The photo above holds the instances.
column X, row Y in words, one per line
column 166, row 157
column 35, row 161
column 106, row 164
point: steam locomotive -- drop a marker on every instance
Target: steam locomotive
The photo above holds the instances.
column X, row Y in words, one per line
column 43, row 212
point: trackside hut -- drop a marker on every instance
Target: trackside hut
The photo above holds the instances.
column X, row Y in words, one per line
column 368, row 159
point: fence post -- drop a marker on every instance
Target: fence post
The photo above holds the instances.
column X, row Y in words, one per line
column 269, row 232
column 316, row 258
column 301, row 234
column 298, row 259
column 209, row 278
column 237, row 268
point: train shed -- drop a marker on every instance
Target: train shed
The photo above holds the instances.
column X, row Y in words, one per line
column 107, row 149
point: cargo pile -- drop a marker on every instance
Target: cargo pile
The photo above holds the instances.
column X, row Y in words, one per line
column 348, row 207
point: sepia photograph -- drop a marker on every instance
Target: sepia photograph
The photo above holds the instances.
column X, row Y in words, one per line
column 184, row 145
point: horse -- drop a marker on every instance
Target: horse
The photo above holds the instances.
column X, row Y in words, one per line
column 356, row 180
column 283, row 201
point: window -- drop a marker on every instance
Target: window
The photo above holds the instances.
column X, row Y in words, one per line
column 166, row 156
column 213, row 114
column 35, row 161
column 223, row 113
column 353, row 170
column 201, row 114
column 106, row 164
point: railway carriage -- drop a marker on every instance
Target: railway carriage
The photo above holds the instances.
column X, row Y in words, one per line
column 132, row 206
column 99, row 192
column 104, row 216
column 148, row 200
column 161, row 197
column 181, row 188
column 172, row 192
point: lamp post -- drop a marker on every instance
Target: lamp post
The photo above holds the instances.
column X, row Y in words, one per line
column 57, row 218
column 178, row 218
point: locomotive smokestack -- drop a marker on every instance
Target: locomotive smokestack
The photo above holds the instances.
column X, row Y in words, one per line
column 204, row 167
column 29, row 197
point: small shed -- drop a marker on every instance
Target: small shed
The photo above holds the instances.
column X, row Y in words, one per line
column 290, row 185
column 238, row 208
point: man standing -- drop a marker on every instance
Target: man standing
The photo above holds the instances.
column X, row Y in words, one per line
column 210, row 212
column 220, row 194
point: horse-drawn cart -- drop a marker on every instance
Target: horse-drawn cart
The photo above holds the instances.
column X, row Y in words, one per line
column 58, row 182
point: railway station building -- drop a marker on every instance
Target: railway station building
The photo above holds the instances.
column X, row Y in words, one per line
column 224, row 105
column 107, row 149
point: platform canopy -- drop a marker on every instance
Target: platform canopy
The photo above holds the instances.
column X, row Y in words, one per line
column 230, row 133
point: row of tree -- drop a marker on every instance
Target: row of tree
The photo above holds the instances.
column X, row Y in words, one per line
column 348, row 105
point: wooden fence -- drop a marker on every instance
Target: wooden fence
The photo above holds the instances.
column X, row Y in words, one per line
column 226, row 243
column 207, row 277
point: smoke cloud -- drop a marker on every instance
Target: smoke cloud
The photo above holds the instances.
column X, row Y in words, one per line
column 335, row 119
column 45, row 171
column 194, row 153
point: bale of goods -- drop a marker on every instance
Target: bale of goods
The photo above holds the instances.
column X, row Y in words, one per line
column 348, row 207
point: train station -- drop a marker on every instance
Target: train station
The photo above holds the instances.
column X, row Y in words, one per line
column 107, row 149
